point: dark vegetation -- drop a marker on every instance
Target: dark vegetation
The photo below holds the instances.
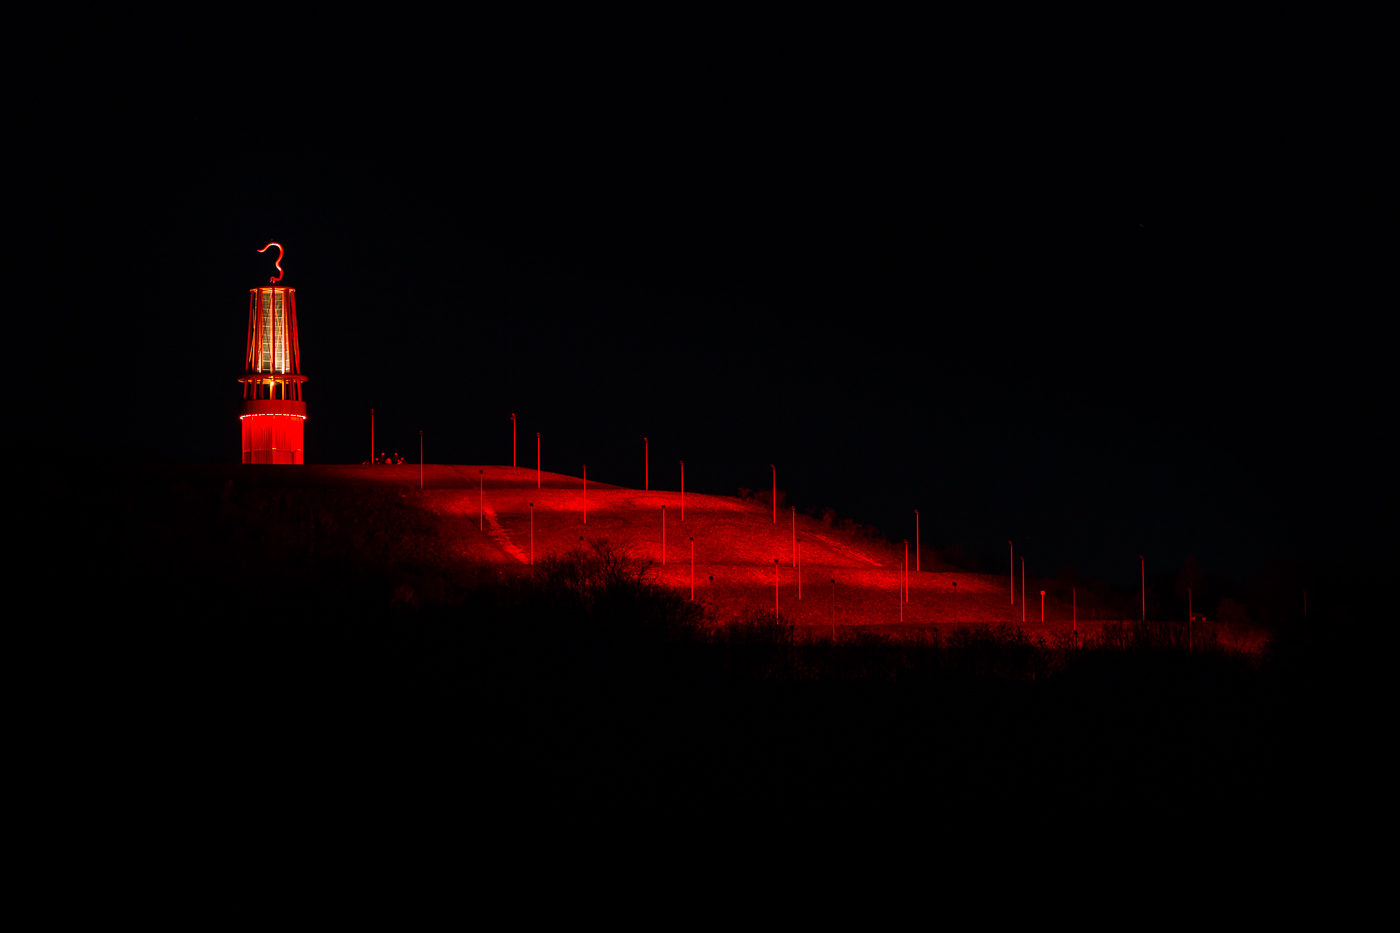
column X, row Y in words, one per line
column 348, row 610
column 1275, row 595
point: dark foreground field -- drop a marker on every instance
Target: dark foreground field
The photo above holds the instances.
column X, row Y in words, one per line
column 331, row 639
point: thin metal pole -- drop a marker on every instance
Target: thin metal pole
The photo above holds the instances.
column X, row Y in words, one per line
column 1042, row 607
column 513, row 446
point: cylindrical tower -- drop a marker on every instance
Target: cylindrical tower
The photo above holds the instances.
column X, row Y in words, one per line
column 273, row 411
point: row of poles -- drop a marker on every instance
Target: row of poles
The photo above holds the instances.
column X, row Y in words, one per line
column 1074, row 596
column 796, row 557
column 646, row 485
column 646, row 448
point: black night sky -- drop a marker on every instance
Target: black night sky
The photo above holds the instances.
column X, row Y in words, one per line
column 1100, row 304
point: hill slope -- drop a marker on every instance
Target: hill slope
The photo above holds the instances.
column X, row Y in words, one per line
column 378, row 531
column 741, row 558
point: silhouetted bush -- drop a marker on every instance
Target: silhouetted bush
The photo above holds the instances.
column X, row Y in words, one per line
column 606, row 590
column 1230, row 612
column 1004, row 653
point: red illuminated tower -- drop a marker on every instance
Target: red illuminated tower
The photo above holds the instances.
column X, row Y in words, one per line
column 273, row 412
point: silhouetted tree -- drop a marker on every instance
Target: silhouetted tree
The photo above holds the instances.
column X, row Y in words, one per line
column 1231, row 612
column 1188, row 585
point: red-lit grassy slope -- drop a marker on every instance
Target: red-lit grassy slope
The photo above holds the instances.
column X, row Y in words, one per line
column 736, row 544
column 735, row 547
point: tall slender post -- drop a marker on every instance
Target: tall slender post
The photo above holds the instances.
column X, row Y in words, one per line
column 1013, row 573
column 537, row 460
column 794, row 535
column 513, row 447
column 682, row 490
column 646, row 449
column 1042, row 607
column 420, row 461
column 481, row 500
column 775, row 493
column 663, row 536
column 1144, row 587
column 585, row 494
column 917, row 564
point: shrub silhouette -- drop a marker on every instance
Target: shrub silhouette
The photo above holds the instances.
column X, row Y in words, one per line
column 606, row 592
column 1230, row 612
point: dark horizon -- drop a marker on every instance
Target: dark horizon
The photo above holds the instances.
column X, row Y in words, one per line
column 1085, row 318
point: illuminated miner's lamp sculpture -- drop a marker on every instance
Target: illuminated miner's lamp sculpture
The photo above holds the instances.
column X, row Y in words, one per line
column 273, row 411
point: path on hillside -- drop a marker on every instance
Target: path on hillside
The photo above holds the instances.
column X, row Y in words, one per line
column 735, row 545
column 499, row 535
column 841, row 548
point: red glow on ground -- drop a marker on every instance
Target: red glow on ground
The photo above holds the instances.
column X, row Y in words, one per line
column 733, row 544
column 737, row 552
